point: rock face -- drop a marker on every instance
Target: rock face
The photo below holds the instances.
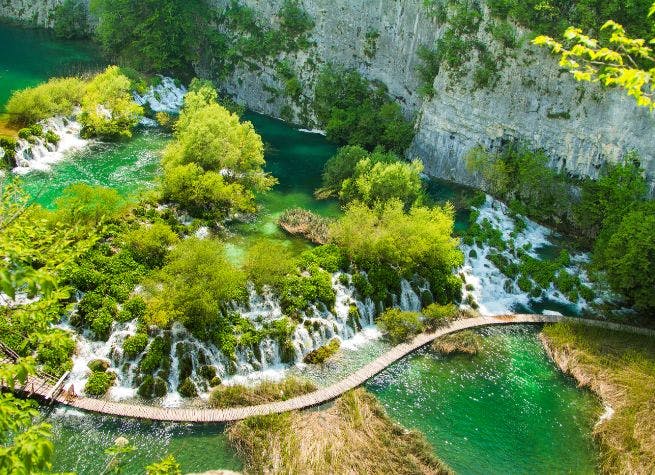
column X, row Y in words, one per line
column 581, row 127
column 34, row 12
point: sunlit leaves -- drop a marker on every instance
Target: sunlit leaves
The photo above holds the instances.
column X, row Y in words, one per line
column 620, row 63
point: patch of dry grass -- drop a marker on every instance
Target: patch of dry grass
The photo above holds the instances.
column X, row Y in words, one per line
column 354, row 436
column 620, row 368
column 466, row 342
column 266, row 391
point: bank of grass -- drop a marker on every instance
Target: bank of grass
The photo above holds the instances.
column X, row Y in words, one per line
column 620, row 368
column 355, row 435
column 466, row 342
column 266, row 391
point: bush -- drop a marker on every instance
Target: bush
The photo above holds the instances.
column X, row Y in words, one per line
column 268, row 263
column 98, row 365
column 300, row 291
column 56, row 97
column 149, row 245
column 152, row 387
column 322, row 353
column 89, row 205
column 328, row 257
column 355, row 112
column 400, row 326
column 436, row 316
column 187, row 388
column 135, row 308
column 52, row 137
column 207, row 372
column 156, row 356
column 54, row 352
column 135, row 344
column 99, row 383
column 70, row 19
column 267, row 391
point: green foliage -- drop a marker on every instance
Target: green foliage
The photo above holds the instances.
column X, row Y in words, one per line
column 341, row 167
column 216, row 163
column 355, row 112
column 248, row 37
column 194, row 286
column 58, row 96
column 54, row 351
column 99, row 383
column 70, row 19
column 152, row 387
column 8, row 144
column 419, row 241
column 266, row 391
column 400, row 326
column 156, row 356
column 149, row 245
column 98, row 365
column 522, row 178
column 25, row 447
column 435, row 315
column 135, row 344
column 428, row 69
column 88, row 205
column 108, row 109
column 268, row 263
column 378, row 181
column 187, row 388
column 554, row 16
column 166, row 466
column 322, row 353
column 328, row 256
column 153, row 35
column 629, row 257
column 301, row 290
column 52, row 137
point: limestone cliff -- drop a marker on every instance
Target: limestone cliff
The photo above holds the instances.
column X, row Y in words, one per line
column 580, row 127
column 33, row 12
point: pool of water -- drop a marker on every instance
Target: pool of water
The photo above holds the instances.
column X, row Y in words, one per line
column 81, row 439
column 506, row 410
column 30, row 56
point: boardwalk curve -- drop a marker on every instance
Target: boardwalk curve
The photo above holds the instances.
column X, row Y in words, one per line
column 38, row 387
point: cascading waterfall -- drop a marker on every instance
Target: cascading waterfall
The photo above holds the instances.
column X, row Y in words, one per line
column 264, row 360
column 39, row 154
column 496, row 293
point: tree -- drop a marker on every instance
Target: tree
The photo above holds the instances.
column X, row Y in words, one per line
column 268, row 263
column 58, row 96
column 82, row 204
column 25, row 447
column 377, row 182
column 108, row 109
column 629, row 257
column 149, row 245
column 620, row 61
column 215, row 165
column 71, row 19
column 194, row 287
column 339, row 168
column 157, row 36
column 400, row 326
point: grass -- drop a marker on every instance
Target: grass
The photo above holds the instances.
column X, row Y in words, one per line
column 620, row 368
column 466, row 342
column 266, row 391
column 355, row 435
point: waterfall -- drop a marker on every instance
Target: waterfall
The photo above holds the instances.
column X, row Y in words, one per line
column 167, row 96
column 40, row 155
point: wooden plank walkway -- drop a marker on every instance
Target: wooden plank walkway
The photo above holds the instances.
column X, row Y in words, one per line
column 36, row 386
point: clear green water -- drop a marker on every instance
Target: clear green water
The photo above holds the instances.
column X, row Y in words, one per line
column 80, row 441
column 30, row 56
column 506, row 410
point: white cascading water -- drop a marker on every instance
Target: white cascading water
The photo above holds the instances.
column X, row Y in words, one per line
column 167, row 96
column 494, row 292
column 40, row 155
column 318, row 327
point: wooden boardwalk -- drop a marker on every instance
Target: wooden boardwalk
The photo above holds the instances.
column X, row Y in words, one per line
column 41, row 388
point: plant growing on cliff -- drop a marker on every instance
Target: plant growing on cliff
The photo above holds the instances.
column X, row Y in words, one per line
column 356, row 112
column 70, row 19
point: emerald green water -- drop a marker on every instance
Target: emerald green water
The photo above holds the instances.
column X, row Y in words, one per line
column 80, row 440
column 506, row 410
column 30, row 56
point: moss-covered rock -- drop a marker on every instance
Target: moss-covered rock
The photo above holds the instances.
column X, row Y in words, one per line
column 98, row 365
column 319, row 355
column 99, row 383
column 187, row 389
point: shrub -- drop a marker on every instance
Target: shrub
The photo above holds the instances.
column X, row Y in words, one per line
column 435, row 315
column 268, row 263
column 328, row 257
column 150, row 244
column 152, row 387
column 99, row 383
column 8, row 144
column 135, row 344
column 89, row 205
column 101, row 322
column 400, row 326
column 54, row 352
column 135, row 308
column 208, row 372
column 70, row 19
column 155, row 356
column 300, row 291
column 98, row 365
column 187, row 388
column 55, row 97
column 52, row 137
column 322, row 353
column 266, row 391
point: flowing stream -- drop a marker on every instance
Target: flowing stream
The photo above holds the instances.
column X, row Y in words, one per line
column 505, row 411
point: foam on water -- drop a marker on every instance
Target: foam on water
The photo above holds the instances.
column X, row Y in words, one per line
column 167, row 96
